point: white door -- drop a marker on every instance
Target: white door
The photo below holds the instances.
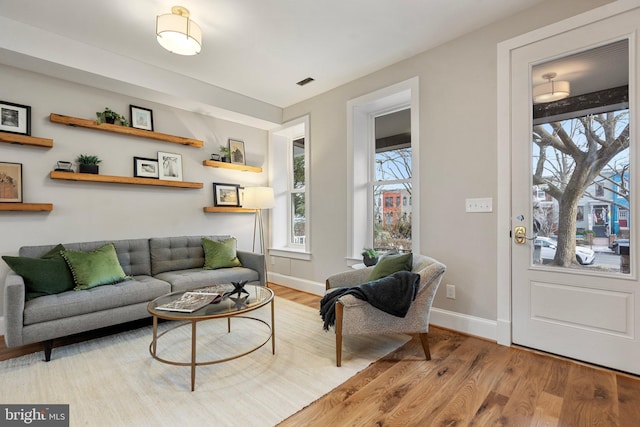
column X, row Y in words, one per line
column 587, row 312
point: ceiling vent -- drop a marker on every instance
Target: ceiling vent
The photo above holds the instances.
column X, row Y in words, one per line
column 305, row 81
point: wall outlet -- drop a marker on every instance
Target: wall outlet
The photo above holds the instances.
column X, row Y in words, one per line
column 451, row 291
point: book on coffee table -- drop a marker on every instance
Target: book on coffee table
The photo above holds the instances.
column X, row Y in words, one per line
column 190, row 302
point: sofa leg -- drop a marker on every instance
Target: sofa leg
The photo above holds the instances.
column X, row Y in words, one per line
column 47, row 346
column 424, row 339
column 339, row 308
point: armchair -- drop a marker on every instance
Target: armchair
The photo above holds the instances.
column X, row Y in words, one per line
column 357, row 317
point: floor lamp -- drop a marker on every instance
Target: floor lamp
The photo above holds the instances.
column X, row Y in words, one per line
column 259, row 198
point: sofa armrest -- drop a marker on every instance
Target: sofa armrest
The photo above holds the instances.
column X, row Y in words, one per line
column 349, row 278
column 255, row 262
column 14, row 298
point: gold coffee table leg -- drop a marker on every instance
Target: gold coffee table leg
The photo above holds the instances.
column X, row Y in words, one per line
column 273, row 328
column 193, row 355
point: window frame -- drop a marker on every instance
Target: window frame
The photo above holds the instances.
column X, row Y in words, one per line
column 361, row 113
column 282, row 218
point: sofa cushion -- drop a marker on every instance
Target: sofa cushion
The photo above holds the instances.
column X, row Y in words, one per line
column 94, row 268
column 46, row 275
column 140, row 289
column 133, row 254
column 181, row 280
column 178, row 253
column 220, row 254
column 390, row 264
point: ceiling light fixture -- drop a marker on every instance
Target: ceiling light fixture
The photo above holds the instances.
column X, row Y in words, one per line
column 177, row 33
column 552, row 90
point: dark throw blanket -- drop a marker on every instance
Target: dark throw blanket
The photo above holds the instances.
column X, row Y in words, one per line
column 392, row 294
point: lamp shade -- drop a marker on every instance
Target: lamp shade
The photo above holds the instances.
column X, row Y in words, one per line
column 258, row 198
column 177, row 33
column 551, row 91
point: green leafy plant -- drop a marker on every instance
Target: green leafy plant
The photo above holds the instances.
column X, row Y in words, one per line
column 85, row 159
column 110, row 116
column 369, row 252
column 225, row 151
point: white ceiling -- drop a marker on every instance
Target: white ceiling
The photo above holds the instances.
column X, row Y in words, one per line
column 258, row 48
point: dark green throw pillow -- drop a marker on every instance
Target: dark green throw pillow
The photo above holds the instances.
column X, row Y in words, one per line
column 47, row 275
column 95, row 268
column 391, row 264
column 220, row 254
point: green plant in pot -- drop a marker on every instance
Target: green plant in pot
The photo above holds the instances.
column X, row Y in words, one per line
column 369, row 256
column 88, row 163
column 111, row 117
column 225, row 154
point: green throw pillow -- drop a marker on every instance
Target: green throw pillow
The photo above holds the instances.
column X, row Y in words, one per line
column 391, row 264
column 47, row 275
column 95, row 268
column 220, row 254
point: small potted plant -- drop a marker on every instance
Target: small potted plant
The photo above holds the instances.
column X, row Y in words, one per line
column 111, row 117
column 88, row 164
column 225, row 152
column 369, row 256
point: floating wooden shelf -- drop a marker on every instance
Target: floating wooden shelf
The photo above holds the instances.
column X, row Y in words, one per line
column 124, row 130
column 30, row 207
column 89, row 177
column 227, row 209
column 215, row 164
column 14, row 138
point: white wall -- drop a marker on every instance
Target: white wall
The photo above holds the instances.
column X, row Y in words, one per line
column 457, row 158
column 96, row 211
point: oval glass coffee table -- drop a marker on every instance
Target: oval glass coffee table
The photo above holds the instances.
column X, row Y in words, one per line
column 236, row 304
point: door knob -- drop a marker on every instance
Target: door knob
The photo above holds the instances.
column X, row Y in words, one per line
column 520, row 234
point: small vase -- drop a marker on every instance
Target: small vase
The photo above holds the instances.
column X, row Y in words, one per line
column 88, row 169
column 368, row 261
column 110, row 120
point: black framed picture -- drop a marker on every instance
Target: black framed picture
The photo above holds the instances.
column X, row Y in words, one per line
column 236, row 151
column 226, row 194
column 15, row 118
column 169, row 166
column 10, row 182
column 145, row 168
column 141, row 118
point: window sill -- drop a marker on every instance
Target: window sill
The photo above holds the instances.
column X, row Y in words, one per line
column 290, row 253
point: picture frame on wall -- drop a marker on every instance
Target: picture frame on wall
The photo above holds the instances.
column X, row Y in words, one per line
column 226, row 195
column 145, row 168
column 141, row 118
column 15, row 118
column 10, row 182
column 169, row 166
column 236, row 151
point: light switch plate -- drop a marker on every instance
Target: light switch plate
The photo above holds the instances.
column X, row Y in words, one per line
column 479, row 205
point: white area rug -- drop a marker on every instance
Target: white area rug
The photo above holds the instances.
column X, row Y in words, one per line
column 113, row 381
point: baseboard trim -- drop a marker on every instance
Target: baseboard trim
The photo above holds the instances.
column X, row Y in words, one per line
column 297, row 283
column 464, row 323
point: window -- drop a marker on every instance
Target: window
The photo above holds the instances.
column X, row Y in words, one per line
column 297, row 192
column 289, row 157
column 380, row 177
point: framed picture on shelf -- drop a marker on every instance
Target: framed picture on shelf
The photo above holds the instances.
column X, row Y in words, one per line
column 141, row 118
column 15, row 118
column 10, row 182
column 236, row 150
column 169, row 166
column 226, row 195
column 145, row 168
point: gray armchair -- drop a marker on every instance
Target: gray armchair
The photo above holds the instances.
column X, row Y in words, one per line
column 357, row 317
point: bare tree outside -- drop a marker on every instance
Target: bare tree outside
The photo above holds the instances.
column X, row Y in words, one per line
column 569, row 156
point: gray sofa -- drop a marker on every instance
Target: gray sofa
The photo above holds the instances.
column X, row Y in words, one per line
column 157, row 266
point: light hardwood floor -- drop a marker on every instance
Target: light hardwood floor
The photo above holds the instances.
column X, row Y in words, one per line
column 468, row 382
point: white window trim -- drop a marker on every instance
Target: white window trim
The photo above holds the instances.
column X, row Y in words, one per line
column 280, row 147
column 361, row 113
